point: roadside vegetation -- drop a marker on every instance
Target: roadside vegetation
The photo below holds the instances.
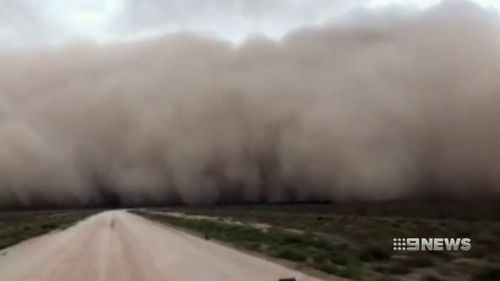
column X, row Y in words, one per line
column 17, row 226
column 353, row 241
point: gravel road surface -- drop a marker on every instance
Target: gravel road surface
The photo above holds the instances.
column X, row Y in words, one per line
column 120, row 246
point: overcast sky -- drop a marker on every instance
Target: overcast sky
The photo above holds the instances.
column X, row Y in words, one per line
column 28, row 23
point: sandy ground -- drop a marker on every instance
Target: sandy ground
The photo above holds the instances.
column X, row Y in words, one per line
column 260, row 226
column 121, row 246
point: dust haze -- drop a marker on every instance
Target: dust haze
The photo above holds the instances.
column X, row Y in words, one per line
column 387, row 105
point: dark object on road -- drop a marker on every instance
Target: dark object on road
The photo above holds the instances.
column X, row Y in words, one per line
column 287, row 279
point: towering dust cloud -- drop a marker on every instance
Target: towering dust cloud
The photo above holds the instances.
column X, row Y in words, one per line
column 386, row 106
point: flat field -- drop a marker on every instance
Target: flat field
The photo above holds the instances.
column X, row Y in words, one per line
column 17, row 226
column 353, row 240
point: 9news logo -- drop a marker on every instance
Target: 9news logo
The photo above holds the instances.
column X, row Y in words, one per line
column 431, row 244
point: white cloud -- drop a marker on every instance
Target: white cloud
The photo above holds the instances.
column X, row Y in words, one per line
column 46, row 22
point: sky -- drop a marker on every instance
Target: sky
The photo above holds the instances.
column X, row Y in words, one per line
column 33, row 23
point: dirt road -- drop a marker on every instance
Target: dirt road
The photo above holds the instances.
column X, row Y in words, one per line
column 124, row 247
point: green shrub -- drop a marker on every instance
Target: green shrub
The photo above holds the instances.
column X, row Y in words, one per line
column 431, row 277
column 290, row 254
column 399, row 269
column 387, row 278
column 420, row 261
column 486, row 273
column 374, row 253
column 381, row 268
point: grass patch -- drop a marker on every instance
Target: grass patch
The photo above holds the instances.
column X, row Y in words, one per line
column 377, row 252
column 356, row 239
column 486, row 272
column 16, row 227
column 316, row 252
column 399, row 268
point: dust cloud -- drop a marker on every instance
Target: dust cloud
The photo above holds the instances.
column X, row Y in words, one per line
column 386, row 105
